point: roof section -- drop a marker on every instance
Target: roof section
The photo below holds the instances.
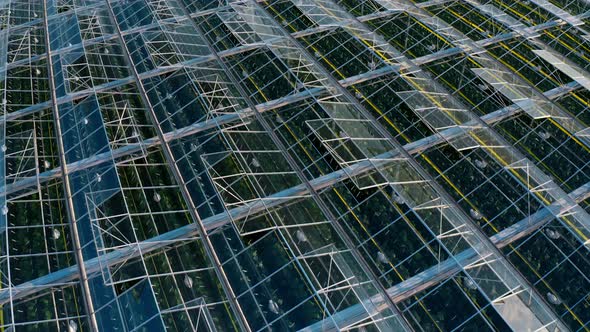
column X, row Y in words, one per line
column 313, row 165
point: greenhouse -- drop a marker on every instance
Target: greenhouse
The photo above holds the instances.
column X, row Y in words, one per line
column 295, row 165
